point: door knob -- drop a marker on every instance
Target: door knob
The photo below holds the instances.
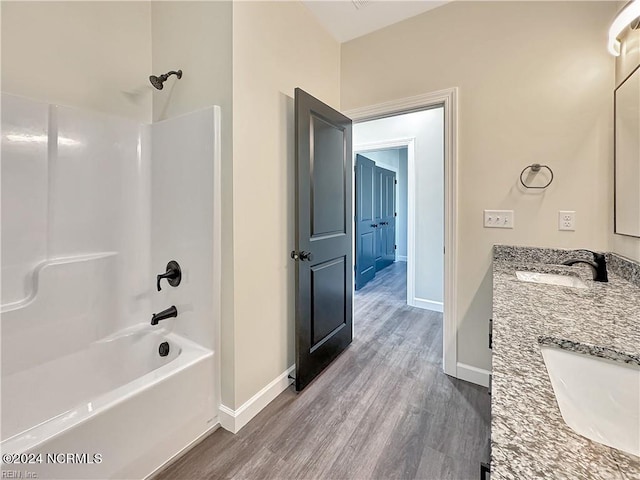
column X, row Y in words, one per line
column 374, row 225
column 301, row 255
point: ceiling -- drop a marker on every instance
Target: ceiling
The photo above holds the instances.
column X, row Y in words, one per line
column 349, row 19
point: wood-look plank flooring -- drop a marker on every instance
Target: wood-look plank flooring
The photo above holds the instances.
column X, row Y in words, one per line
column 383, row 410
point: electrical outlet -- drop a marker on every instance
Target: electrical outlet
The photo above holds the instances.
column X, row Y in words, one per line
column 566, row 220
column 498, row 218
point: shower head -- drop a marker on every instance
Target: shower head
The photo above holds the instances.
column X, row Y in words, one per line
column 158, row 81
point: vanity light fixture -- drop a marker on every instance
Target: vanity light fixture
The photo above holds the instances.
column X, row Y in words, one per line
column 630, row 13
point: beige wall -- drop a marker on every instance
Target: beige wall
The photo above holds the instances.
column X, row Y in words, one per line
column 628, row 60
column 195, row 36
column 94, row 55
column 277, row 46
column 535, row 85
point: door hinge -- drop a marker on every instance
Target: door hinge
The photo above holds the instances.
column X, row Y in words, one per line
column 395, row 214
column 395, row 247
column 396, row 182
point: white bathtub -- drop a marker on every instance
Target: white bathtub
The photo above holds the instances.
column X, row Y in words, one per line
column 117, row 401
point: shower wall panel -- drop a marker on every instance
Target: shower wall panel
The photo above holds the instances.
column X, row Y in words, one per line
column 185, row 151
column 74, row 184
column 99, row 202
column 24, row 174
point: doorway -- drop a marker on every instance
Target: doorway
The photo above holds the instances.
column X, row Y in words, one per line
column 410, row 146
column 443, row 102
column 315, row 137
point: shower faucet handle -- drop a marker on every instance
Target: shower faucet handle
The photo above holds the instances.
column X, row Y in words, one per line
column 173, row 275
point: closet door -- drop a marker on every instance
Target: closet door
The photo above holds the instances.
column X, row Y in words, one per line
column 378, row 209
column 385, row 218
column 388, row 220
column 365, row 223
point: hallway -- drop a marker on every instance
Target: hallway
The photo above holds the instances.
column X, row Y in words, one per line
column 384, row 409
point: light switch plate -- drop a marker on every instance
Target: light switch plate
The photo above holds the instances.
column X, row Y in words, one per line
column 498, row 219
column 567, row 220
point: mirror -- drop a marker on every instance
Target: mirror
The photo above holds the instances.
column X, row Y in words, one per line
column 627, row 156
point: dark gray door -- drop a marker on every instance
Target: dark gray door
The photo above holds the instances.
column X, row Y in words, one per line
column 324, row 275
column 384, row 198
column 378, row 201
column 365, row 224
column 387, row 223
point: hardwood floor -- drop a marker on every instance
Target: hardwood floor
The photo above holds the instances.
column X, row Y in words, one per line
column 383, row 410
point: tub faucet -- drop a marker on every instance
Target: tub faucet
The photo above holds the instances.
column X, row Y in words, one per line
column 170, row 312
column 599, row 265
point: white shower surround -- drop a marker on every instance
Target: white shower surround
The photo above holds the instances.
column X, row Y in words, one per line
column 87, row 223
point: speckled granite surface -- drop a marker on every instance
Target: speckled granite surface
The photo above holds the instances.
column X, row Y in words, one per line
column 529, row 438
column 624, row 267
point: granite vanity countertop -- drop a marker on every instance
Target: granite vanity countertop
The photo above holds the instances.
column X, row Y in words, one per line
column 529, row 438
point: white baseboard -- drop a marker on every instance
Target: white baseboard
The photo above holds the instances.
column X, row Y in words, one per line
column 401, row 258
column 234, row 420
column 476, row 375
column 427, row 304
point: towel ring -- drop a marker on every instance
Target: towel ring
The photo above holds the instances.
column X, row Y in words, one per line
column 535, row 167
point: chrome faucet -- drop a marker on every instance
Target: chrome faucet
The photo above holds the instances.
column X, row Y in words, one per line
column 170, row 312
column 599, row 265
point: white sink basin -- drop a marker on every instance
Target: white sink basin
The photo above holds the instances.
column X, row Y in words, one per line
column 551, row 279
column 598, row 398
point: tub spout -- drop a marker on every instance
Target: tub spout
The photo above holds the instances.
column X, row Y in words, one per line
column 170, row 312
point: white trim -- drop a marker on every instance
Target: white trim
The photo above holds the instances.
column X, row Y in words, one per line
column 217, row 252
column 427, row 304
column 472, row 374
column 449, row 99
column 401, row 258
column 450, row 321
column 411, row 222
column 386, row 144
column 234, row 420
column 403, row 105
column 227, row 418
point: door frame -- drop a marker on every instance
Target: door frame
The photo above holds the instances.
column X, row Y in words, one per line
column 409, row 143
column 447, row 98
